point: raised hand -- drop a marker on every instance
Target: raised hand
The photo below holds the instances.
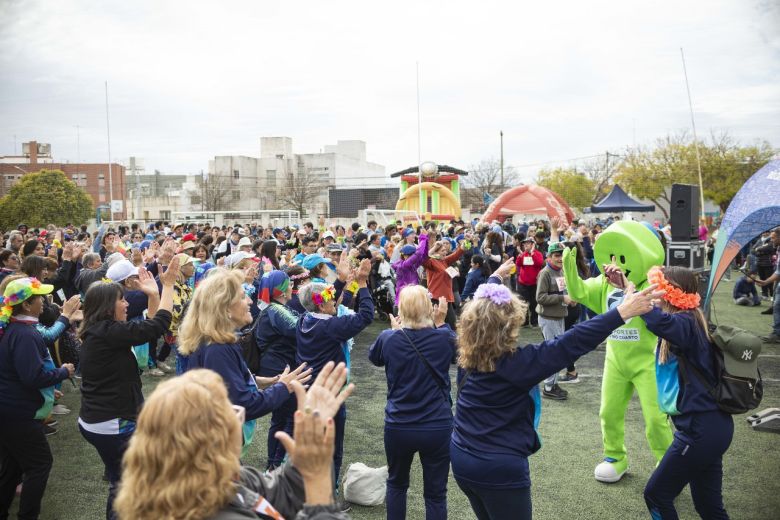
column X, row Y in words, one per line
column 395, row 323
column 71, row 306
column 440, row 312
column 614, row 274
column 300, row 374
column 638, row 303
column 327, row 393
column 169, row 277
column 505, row 269
column 364, row 269
column 145, row 282
column 343, row 270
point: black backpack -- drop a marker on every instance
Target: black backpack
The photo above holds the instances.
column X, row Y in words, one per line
column 733, row 394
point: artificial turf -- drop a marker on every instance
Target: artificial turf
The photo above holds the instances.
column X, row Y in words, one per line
column 561, row 472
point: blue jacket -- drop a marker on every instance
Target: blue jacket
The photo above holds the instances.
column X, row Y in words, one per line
column 474, row 279
column 27, row 373
column 321, row 337
column 137, row 303
column 414, row 399
column 226, row 360
column 295, row 304
column 275, row 337
column 497, row 411
column 687, row 340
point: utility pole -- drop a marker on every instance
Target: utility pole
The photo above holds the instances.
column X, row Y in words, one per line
column 501, row 133
column 695, row 138
column 110, row 176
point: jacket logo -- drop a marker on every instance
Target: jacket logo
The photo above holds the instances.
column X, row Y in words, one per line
column 747, row 355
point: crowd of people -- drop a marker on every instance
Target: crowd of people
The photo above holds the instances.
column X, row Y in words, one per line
column 249, row 320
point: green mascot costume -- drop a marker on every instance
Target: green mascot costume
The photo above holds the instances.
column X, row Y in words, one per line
column 630, row 359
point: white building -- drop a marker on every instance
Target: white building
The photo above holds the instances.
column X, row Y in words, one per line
column 281, row 179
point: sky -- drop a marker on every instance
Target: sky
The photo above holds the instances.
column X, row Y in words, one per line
column 191, row 80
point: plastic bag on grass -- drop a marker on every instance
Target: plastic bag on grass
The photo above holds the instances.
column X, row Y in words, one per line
column 365, row 486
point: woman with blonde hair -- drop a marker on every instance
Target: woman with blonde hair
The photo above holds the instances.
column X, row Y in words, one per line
column 417, row 354
column 499, row 405
column 188, row 441
column 208, row 337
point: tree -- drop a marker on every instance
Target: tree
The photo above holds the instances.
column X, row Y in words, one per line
column 601, row 172
column 300, row 191
column 42, row 198
column 649, row 173
column 573, row 186
column 214, row 193
column 725, row 167
column 485, row 177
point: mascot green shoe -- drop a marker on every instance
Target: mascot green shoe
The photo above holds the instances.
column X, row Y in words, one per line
column 629, row 365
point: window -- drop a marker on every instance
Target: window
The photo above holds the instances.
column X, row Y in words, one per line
column 270, row 177
column 236, row 174
column 236, row 194
column 280, row 156
column 165, row 214
column 101, row 176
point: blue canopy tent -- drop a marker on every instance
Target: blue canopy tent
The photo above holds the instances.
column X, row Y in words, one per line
column 617, row 201
column 754, row 209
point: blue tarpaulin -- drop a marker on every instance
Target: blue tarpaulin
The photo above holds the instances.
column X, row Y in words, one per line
column 754, row 209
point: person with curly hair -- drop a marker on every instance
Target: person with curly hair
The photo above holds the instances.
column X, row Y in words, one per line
column 499, row 406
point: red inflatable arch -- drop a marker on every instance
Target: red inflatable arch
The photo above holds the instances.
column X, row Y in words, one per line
column 528, row 199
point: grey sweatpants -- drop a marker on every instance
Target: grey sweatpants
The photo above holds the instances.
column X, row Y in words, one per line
column 550, row 330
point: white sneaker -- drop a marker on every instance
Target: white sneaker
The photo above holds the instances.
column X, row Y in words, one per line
column 60, row 409
column 156, row 372
column 165, row 368
column 607, row 472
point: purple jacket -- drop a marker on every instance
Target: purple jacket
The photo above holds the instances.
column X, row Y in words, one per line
column 406, row 270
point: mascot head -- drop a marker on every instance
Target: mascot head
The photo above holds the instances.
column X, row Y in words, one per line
column 635, row 247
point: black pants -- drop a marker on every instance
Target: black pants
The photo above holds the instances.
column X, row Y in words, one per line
column 111, row 448
column 24, row 451
column 764, row 272
column 497, row 504
column 695, row 458
column 433, row 447
column 528, row 294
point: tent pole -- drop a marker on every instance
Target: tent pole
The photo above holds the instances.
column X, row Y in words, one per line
column 695, row 138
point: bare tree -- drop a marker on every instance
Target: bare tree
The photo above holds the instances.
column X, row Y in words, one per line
column 300, row 191
column 602, row 172
column 214, row 193
column 485, row 178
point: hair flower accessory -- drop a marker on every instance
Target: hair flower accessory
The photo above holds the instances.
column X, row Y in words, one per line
column 301, row 276
column 325, row 296
column 674, row 295
column 494, row 292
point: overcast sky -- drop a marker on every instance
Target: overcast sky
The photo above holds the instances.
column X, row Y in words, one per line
column 191, row 80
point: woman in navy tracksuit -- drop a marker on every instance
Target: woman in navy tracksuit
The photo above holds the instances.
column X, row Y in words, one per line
column 499, row 405
column 704, row 432
column 418, row 415
column 275, row 338
column 323, row 335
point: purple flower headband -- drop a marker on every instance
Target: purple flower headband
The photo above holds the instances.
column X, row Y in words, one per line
column 496, row 293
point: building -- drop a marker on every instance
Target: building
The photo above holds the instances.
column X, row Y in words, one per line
column 281, row 179
column 162, row 196
column 91, row 177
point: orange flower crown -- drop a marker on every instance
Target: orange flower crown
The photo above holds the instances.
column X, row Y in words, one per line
column 674, row 295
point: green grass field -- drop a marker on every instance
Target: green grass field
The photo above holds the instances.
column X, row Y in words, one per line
column 562, row 471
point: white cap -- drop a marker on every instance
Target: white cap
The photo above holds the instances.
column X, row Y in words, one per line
column 114, row 258
column 246, row 241
column 235, row 258
column 328, row 234
column 121, row 270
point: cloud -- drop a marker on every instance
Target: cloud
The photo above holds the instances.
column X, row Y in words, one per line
column 191, row 80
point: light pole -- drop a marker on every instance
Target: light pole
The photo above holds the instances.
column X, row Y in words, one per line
column 501, row 133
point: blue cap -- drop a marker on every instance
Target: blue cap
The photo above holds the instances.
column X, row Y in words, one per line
column 406, row 232
column 312, row 261
column 408, row 249
column 277, row 230
column 145, row 245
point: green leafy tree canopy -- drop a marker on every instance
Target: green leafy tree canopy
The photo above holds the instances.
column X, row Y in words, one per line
column 574, row 187
column 42, row 198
